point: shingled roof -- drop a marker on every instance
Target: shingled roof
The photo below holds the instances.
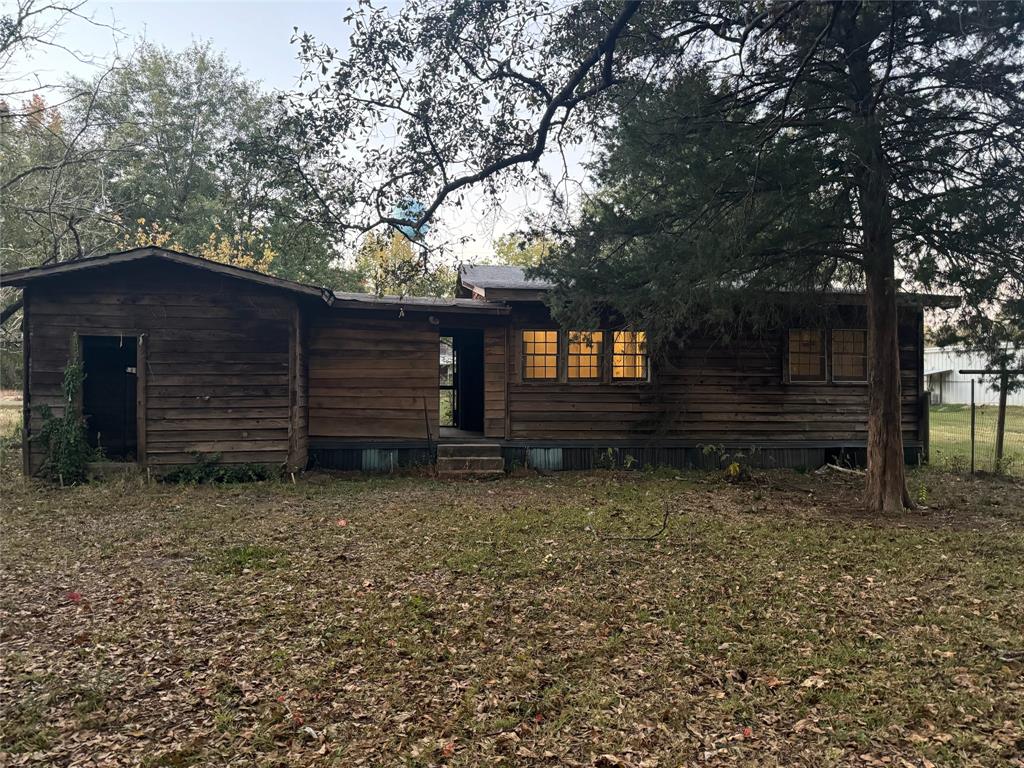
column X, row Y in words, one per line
column 497, row 282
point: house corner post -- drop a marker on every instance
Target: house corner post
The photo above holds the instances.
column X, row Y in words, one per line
column 298, row 421
column 26, row 389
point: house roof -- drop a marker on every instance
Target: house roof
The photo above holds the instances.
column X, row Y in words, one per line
column 504, row 282
column 339, row 299
column 432, row 303
column 499, row 276
column 23, row 277
column 500, row 281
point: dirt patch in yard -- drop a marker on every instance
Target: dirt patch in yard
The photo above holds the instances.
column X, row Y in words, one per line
column 404, row 621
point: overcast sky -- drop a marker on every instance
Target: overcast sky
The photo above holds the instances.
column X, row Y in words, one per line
column 255, row 34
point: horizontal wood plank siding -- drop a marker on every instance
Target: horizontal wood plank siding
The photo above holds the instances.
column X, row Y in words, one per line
column 494, row 382
column 217, row 357
column 372, row 377
column 706, row 392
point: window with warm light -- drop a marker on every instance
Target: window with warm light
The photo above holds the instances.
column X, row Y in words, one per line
column 540, row 355
column 806, row 355
column 849, row 355
column 584, row 359
column 629, row 355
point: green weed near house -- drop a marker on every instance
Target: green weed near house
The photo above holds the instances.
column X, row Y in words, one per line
column 66, row 451
column 208, row 469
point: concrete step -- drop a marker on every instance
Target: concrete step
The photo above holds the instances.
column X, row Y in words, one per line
column 468, row 450
column 478, row 463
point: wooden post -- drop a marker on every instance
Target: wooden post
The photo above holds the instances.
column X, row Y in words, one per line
column 141, row 419
column 298, row 393
column 26, row 389
column 926, row 427
column 972, row 426
column 1004, row 383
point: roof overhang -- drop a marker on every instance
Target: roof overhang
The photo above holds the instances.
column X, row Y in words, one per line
column 416, row 304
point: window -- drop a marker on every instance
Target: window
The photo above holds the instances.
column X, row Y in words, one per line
column 584, row 355
column 629, row 355
column 849, row 355
column 540, row 355
column 806, row 355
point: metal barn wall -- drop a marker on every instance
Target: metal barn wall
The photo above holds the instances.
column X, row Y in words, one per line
column 942, row 366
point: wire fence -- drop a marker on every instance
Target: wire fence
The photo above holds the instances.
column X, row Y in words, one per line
column 951, row 446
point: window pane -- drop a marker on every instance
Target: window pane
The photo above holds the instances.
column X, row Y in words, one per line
column 850, row 355
column 629, row 355
column 540, row 354
column 584, row 361
column 447, row 361
column 806, row 355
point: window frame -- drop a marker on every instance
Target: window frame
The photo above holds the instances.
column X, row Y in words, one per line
column 599, row 378
column 823, row 335
column 646, row 357
column 523, row 355
column 832, row 362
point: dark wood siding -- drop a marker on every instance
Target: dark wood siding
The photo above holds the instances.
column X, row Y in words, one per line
column 707, row 392
column 298, row 435
column 372, row 375
column 216, row 356
column 494, row 381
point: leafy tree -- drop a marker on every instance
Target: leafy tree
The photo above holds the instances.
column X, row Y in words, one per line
column 522, row 250
column 173, row 140
column 891, row 132
column 387, row 264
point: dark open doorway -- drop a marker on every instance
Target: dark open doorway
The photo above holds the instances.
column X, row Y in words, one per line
column 109, row 394
column 461, row 388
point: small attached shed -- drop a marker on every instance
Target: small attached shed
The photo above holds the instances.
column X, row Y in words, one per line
column 182, row 356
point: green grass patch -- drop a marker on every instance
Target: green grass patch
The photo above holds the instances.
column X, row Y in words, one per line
column 243, row 558
column 950, row 435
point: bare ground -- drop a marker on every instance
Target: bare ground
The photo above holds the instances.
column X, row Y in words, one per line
column 405, row 621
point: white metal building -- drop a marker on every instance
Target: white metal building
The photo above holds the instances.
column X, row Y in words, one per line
column 942, row 378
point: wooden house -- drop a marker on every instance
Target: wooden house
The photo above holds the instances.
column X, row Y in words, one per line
column 186, row 357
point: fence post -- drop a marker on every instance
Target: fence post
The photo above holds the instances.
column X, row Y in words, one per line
column 1004, row 382
column 926, row 438
column 972, row 426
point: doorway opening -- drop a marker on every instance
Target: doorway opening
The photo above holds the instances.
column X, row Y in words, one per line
column 461, row 385
column 109, row 394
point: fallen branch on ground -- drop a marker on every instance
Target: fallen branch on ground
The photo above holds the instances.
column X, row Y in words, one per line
column 652, row 537
column 837, row 468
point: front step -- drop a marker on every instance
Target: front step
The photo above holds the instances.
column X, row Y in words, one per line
column 468, row 450
column 469, row 461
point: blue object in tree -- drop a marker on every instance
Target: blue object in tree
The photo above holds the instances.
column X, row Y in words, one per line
column 410, row 211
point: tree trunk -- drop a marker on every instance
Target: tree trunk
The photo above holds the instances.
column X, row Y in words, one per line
column 886, row 481
column 886, row 490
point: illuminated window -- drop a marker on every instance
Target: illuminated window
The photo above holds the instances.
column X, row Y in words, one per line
column 849, row 355
column 629, row 355
column 584, row 360
column 540, row 354
column 806, row 355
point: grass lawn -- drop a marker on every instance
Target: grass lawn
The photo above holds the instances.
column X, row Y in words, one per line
column 950, row 432
column 405, row 621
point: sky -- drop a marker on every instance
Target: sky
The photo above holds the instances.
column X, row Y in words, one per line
column 254, row 34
